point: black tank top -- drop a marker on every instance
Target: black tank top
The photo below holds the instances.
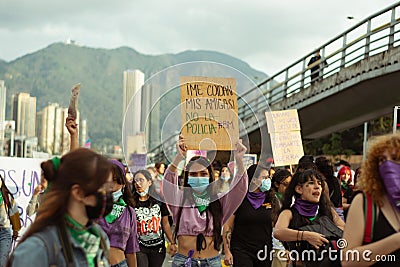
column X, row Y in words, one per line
column 382, row 229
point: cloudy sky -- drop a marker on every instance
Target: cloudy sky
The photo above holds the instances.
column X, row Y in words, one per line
column 267, row 34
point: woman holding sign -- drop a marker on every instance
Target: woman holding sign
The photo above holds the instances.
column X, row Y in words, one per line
column 198, row 210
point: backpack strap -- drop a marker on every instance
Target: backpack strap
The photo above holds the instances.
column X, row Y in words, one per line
column 369, row 218
column 66, row 245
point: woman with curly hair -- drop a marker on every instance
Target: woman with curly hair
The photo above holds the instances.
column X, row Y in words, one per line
column 380, row 182
column 310, row 203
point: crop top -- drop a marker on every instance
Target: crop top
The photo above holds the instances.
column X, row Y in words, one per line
column 192, row 222
column 123, row 232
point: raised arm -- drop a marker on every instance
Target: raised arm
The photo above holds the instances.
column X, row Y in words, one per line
column 172, row 194
column 226, row 237
column 72, row 128
column 33, row 204
column 232, row 200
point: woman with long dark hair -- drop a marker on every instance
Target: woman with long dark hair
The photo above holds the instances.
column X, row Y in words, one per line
column 152, row 218
column 9, row 221
column 250, row 227
column 310, row 203
column 225, row 179
column 280, row 182
column 120, row 225
column 198, row 210
column 64, row 232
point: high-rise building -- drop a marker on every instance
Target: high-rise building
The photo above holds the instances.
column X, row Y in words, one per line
column 23, row 112
column 59, row 127
column 46, row 129
column 52, row 133
column 133, row 82
column 3, row 91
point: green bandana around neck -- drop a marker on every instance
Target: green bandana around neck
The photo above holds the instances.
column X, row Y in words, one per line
column 88, row 238
column 279, row 195
column 117, row 210
column 201, row 201
column 313, row 218
column 1, row 198
column 345, row 185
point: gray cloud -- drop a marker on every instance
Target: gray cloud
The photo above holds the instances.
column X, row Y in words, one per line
column 269, row 35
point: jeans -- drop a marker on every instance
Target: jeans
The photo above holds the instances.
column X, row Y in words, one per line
column 179, row 261
column 5, row 245
column 148, row 257
column 121, row 264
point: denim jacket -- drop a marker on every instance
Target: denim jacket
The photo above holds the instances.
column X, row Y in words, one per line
column 34, row 251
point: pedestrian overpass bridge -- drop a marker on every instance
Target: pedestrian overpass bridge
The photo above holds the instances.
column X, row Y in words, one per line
column 359, row 83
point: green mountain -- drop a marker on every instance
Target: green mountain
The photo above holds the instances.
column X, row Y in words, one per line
column 49, row 74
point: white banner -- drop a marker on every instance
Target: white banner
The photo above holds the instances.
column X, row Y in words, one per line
column 21, row 176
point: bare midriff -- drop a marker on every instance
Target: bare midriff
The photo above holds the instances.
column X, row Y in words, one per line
column 116, row 255
column 188, row 242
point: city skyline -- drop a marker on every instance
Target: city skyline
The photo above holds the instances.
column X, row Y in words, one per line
column 28, row 130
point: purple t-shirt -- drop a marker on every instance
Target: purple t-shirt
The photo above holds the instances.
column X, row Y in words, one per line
column 123, row 232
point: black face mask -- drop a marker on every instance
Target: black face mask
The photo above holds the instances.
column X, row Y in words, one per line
column 104, row 205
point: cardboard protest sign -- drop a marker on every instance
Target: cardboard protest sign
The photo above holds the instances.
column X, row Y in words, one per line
column 287, row 148
column 284, row 128
column 283, row 121
column 21, row 176
column 73, row 102
column 137, row 162
column 209, row 113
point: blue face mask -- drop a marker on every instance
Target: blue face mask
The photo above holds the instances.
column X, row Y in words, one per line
column 117, row 194
column 265, row 185
column 198, row 183
column 225, row 178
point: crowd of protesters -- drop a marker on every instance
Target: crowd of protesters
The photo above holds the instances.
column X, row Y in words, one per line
column 91, row 211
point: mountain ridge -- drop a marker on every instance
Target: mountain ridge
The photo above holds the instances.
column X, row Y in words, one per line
column 50, row 72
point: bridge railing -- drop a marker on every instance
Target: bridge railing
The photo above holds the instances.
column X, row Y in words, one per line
column 375, row 34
